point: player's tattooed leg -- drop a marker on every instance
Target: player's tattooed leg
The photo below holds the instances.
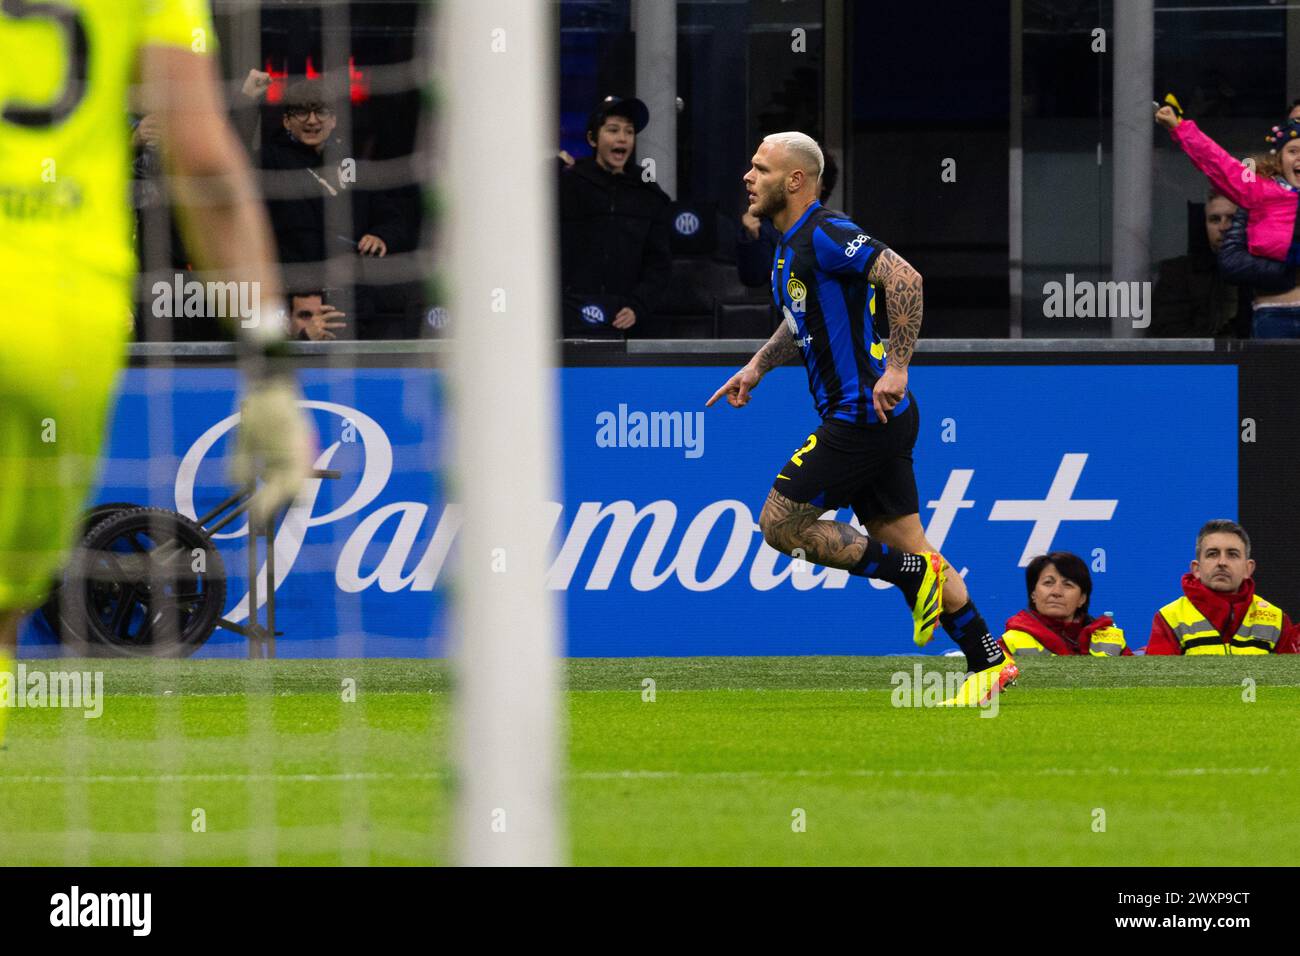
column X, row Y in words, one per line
column 792, row 526
column 796, row 530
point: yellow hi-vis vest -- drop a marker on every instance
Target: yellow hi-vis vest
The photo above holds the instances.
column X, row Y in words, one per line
column 1258, row 634
column 1105, row 642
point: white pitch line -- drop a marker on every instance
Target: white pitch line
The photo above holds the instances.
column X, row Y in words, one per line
column 649, row 775
column 216, row 777
column 980, row 772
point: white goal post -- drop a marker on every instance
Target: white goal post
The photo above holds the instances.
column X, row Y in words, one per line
column 497, row 252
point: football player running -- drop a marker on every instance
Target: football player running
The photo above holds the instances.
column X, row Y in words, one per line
column 824, row 278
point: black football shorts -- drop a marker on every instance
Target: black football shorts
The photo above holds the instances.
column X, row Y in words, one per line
column 865, row 467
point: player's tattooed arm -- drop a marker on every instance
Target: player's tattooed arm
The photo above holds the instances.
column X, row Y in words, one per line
column 903, row 300
column 778, row 350
column 794, row 528
column 780, row 347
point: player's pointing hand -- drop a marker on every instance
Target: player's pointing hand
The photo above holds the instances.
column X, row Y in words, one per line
column 737, row 388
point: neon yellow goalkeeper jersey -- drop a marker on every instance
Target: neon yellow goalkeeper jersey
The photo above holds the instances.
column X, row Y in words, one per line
column 66, row 256
column 65, row 163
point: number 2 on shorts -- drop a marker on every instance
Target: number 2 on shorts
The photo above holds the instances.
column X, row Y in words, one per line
column 797, row 457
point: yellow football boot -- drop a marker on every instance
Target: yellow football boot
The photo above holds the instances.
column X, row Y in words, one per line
column 980, row 686
column 929, row 599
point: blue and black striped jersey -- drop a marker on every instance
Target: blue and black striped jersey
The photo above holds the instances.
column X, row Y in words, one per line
column 819, row 282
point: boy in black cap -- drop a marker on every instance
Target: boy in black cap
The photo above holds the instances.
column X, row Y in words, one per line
column 615, row 260
column 612, row 129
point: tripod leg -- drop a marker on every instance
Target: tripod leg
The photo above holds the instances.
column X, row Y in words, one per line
column 269, row 533
column 254, row 630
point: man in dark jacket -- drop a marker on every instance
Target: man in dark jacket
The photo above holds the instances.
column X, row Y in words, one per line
column 305, row 175
column 613, row 227
column 1219, row 612
column 312, row 174
column 1192, row 299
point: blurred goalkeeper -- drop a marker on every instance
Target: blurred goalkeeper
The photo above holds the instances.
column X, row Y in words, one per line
column 68, row 263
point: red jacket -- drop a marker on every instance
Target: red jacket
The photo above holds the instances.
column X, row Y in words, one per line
column 1059, row 637
column 1224, row 611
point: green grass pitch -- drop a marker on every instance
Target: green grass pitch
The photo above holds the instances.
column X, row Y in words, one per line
column 186, row 766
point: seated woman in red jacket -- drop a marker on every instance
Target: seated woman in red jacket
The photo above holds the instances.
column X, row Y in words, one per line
column 1057, row 619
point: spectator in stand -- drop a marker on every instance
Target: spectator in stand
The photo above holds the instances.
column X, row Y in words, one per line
column 306, row 146
column 1219, row 612
column 1192, row 299
column 246, row 114
column 312, row 319
column 1269, row 192
column 304, row 171
column 614, row 252
column 152, row 210
column 756, row 244
column 1056, row 621
column 1270, row 282
column 159, row 247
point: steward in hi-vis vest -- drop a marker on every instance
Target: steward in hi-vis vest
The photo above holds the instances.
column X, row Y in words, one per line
column 1029, row 632
column 1058, row 587
column 1204, row 621
column 1219, row 612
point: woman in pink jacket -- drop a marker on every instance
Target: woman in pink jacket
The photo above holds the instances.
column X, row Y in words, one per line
column 1270, row 190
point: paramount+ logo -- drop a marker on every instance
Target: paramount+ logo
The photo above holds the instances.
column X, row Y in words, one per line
column 597, row 538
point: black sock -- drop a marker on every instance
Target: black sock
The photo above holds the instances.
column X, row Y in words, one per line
column 903, row 569
column 966, row 626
